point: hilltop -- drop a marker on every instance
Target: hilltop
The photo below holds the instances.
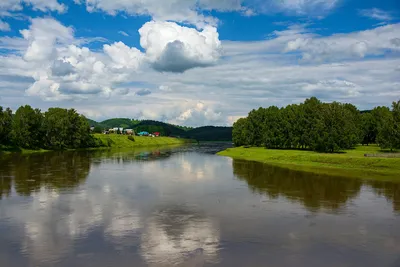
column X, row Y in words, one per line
column 205, row 133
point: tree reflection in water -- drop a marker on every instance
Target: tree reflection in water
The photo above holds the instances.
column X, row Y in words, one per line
column 388, row 189
column 312, row 190
column 56, row 170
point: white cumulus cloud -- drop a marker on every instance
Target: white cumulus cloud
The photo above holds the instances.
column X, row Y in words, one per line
column 173, row 48
column 124, row 56
column 42, row 35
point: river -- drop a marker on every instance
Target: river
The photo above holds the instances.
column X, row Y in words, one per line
column 189, row 207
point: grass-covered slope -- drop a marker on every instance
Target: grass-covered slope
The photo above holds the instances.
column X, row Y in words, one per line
column 122, row 141
column 351, row 163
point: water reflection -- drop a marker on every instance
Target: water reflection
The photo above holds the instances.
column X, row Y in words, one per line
column 129, row 156
column 312, row 190
column 390, row 190
column 29, row 173
column 178, row 207
column 179, row 236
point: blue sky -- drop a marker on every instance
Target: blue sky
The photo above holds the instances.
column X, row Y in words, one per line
column 196, row 62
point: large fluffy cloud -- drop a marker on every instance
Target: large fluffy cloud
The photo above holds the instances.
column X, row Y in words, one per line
column 174, row 48
column 123, row 56
column 63, row 69
column 42, row 36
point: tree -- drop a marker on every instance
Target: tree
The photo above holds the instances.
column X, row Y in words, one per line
column 240, row 132
column 5, row 126
column 396, row 121
column 312, row 122
column 386, row 137
column 338, row 130
column 27, row 127
column 323, row 127
column 368, row 128
column 56, row 128
column 352, row 130
column 66, row 129
column 97, row 129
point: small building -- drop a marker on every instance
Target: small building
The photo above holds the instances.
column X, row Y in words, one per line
column 156, row 134
column 129, row 131
column 143, row 134
column 91, row 128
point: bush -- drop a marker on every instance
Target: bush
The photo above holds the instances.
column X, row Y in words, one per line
column 131, row 138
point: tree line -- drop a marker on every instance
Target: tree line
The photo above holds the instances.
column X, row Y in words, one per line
column 54, row 129
column 318, row 126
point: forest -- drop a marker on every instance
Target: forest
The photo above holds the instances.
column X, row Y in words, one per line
column 54, row 129
column 317, row 126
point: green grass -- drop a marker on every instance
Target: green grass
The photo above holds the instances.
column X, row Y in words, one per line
column 122, row 141
column 351, row 163
column 12, row 149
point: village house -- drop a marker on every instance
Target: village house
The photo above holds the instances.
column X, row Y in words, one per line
column 129, row 131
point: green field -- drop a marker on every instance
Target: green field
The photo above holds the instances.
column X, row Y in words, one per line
column 122, row 141
column 350, row 163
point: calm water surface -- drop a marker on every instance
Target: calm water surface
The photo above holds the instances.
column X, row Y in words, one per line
column 189, row 207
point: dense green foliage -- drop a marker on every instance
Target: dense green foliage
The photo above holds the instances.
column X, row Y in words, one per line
column 317, row 126
column 55, row 129
column 5, row 125
column 210, row 133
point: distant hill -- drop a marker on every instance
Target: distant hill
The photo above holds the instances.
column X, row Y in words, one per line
column 207, row 133
column 210, row 133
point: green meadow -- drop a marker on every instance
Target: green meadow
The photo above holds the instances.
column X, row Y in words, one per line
column 122, row 141
column 349, row 163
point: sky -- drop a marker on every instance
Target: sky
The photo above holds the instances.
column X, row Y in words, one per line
column 196, row 62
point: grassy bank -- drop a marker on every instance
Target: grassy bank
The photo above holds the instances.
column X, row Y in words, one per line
column 350, row 163
column 113, row 141
column 122, row 141
column 12, row 149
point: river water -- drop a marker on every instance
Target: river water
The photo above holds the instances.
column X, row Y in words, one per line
column 189, row 207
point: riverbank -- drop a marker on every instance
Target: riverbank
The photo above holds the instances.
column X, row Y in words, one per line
column 112, row 141
column 12, row 149
column 350, row 163
column 122, row 141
